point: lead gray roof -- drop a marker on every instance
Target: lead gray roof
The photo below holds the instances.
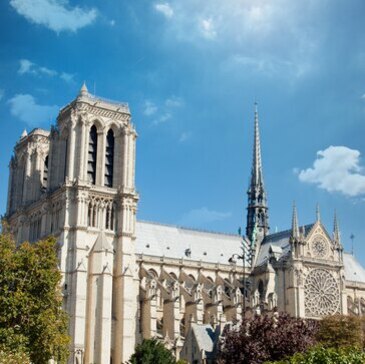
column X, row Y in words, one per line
column 353, row 269
column 175, row 242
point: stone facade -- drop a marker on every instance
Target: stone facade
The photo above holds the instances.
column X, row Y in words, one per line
column 125, row 280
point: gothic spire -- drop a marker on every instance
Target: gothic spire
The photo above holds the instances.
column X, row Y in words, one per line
column 256, row 172
column 257, row 211
column 295, row 227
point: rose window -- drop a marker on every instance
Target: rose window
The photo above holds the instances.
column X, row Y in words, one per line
column 322, row 294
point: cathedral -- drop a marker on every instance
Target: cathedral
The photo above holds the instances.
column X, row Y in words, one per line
column 124, row 280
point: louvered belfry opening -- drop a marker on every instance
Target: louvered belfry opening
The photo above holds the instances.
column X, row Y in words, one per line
column 92, row 155
column 45, row 173
column 109, row 159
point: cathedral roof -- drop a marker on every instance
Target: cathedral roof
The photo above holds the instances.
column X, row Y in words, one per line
column 354, row 272
column 205, row 337
column 182, row 243
column 275, row 241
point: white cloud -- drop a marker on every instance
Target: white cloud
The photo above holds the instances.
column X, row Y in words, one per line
column 174, row 101
column 162, row 119
column 165, row 9
column 28, row 67
column 207, row 28
column 25, row 108
column 2, row 92
column 149, row 108
column 337, row 169
column 56, row 15
column 67, row 77
column 184, row 136
column 203, row 216
column 270, row 34
column 48, row 72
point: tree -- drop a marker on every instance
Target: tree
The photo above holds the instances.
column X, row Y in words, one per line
column 340, row 331
column 31, row 318
column 322, row 355
column 152, row 351
column 263, row 338
column 8, row 357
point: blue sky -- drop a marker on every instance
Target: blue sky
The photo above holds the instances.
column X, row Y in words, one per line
column 191, row 71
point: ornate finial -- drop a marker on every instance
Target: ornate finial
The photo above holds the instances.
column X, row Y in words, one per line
column 303, row 231
column 83, row 91
column 295, row 226
column 24, row 134
column 336, row 230
column 318, row 214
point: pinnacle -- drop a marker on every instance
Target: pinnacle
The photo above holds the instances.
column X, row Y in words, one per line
column 83, row 91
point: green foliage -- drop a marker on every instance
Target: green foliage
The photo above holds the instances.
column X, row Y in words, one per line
column 321, row 355
column 152, row 351
column 31, row 318
column 340, row 331
column 8, row 357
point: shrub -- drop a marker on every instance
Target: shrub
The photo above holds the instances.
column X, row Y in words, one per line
column 322, row 355
column 152, row 351
column 340, row 331
column 264, row 338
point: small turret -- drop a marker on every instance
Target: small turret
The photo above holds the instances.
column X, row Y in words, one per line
column 295, row 227
column 24, row 134
column 336, row 231
column 83, row 91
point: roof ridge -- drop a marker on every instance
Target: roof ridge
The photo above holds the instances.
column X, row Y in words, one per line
column 283, row 232
column 189, row 228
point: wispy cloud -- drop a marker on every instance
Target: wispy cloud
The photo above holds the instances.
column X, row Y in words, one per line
column 67, row 77
column 270, row 34
column 203, row 216
column 165, row 109
column 162, row 119
column 337, row 169
column 56, row 15
column 207, row 28
column 25, row 108
column 174, row 101
column 28, row 67
column 165, row 9
column 150, row 108
column 184, row 136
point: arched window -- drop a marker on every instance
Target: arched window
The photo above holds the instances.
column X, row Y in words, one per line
column 91, row 162
column 109, row 218
column 45, row 173
column 109, row 159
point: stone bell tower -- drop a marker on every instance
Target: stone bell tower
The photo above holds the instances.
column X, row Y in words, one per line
column 81, row 189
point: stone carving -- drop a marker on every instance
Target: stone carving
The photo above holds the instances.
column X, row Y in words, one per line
column 322, row 293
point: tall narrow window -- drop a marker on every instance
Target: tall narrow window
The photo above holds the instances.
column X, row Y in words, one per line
column 45, row 173
column 91, row 163
column 109, row 158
